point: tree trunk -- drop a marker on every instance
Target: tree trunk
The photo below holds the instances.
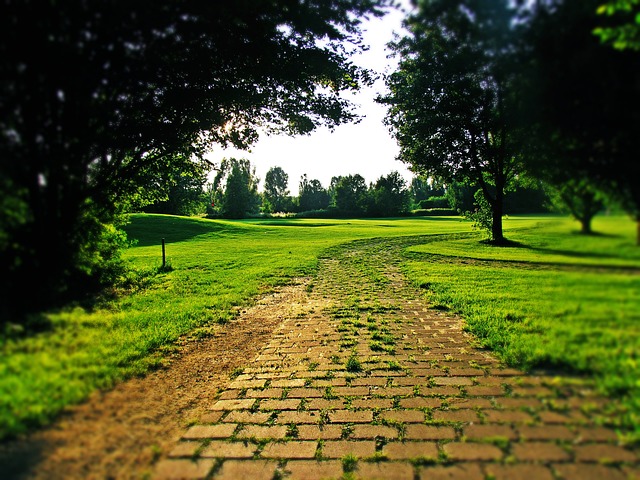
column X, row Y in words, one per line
column 585, row 224
column 496, row 228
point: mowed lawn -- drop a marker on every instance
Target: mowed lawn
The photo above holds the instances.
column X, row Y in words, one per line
column 217, row 266
column 559, row 299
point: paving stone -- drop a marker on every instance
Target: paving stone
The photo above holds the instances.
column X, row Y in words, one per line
column 292, row 449
column 373, row 431
column 588, row 472
column 384, row 471
column 456, row 472
column 485, row 391
column 429, row 432
column 462, row 415
column 253, row 469
column 596, row 434
column 539, row 451
column 324, row 404
column 306, row 470
column 294, row 416
column 602, row 453
column 246, row 416
column 453, row 381
column 305, row 393
column 372, row 403
column 185, row 449
column 392, row 391
column 546, row 432
column 506, row 416
column 287, row 404
column 461, row 402
column 410, row 450
column 229, row 395
column 240, row 384
column 519, row 472
column 420, row 402
column 288, row 383
column 338, row 449
column 316, row 432
column 262, row 431
column 351, row 391
column 403, row 416
column 266, row 393
column 240, row 404
column 348, row 416
column 212, row 417
column 183, row 469
column 221, row 449
column 222, row 430
column 458, row 451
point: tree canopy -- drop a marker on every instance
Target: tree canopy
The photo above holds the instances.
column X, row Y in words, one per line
column 98, row 96
column 449, row 101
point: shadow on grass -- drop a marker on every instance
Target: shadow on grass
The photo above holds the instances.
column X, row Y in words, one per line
column 553, row 251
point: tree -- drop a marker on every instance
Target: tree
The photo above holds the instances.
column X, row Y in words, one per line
column 239, row 196
column 180, row 192
column 450, row 103
column 580, row 105
column 349, row 194
column 276, row 192
column 580, row 198
column 312, row 195
column 422, row 188
column 96, row 96
column 389, row 196
column 623, row 28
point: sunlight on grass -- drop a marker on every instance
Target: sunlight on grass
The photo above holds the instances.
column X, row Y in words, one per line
column 217, row 267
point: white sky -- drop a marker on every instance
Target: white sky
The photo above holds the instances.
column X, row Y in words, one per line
column 365, row 148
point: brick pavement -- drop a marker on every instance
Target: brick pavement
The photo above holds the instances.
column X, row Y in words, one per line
column 368, row 382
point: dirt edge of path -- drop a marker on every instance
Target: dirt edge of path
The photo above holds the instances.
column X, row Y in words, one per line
column 120, row 433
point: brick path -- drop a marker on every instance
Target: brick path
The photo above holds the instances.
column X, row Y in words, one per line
column 367, row 382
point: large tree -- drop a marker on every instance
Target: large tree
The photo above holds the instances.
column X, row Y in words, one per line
column 97, row 96
column 312, row 195
column 389, row 196
column 276, row 192
column 450, row 101
column 349, row 194
column 581, row 104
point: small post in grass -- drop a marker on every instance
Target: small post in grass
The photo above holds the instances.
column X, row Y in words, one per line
column 164, row 258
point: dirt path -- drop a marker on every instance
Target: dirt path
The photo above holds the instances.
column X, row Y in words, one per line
column 356, row 379
column 119, row 434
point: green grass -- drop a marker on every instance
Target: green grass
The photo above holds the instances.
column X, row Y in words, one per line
column 217, row 267
column 557, row 300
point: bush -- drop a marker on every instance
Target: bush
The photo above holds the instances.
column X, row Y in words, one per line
column 434, row 202
column 434, row 212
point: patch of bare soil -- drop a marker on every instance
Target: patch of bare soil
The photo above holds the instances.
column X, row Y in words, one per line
column 120, row 433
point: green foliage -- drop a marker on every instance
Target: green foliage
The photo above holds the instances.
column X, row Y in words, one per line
column 481, row 215
column 575, row 99
column 625, row 32
column 451, row 102
column 239, row 197
column 349, row 195
column 129, row 106
column 312, row 195
column 388, row 196
column 276, row 191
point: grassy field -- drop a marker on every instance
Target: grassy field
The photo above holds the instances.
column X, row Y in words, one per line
column 217, row 266
column 559, row 299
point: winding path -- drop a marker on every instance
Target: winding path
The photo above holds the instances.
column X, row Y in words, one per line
column 362, row 380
